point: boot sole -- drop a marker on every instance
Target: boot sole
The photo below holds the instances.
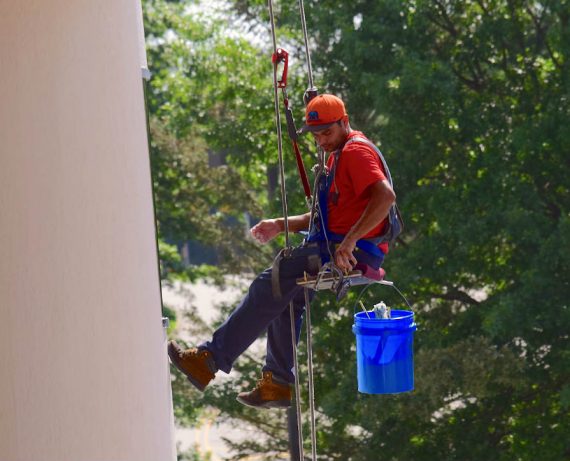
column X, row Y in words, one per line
column 268, row 404
column 174, row 359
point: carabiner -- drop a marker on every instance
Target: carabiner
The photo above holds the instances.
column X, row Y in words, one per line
column 281, row 56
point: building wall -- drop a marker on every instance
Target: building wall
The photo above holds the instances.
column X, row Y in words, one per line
column 84, row 370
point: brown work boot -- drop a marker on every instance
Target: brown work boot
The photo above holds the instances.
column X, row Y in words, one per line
column 267, row 394
column 197, row 364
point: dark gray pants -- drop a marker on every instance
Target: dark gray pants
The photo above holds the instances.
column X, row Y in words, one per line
column 260, row 310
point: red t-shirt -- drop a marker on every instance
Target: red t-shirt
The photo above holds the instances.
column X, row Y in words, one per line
column 358, row 168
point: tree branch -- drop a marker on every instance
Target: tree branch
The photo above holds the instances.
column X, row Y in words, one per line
column 474, row 84
column 451, row 27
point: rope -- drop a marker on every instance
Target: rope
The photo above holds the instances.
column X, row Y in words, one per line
column 297, row 385
column 286, row 229
column 310, row 367
column 306, row 38
column 278, row 123
column 310, row 91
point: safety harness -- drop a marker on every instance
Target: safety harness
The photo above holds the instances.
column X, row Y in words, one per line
column 320, row 230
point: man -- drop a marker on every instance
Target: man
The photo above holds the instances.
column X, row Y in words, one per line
column 357, row 200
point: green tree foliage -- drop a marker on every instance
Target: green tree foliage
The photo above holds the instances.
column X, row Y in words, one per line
column 469, row 101
column 210, row 81
column 211, row 91
column 198, row 202
column 200, row 98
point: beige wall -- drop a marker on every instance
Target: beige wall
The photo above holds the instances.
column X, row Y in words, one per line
column 84, row 371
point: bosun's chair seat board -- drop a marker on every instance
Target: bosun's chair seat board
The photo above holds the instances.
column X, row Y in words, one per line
column 363, row 275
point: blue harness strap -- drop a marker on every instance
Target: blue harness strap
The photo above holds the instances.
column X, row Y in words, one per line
column 367, row 245
column 320, row 229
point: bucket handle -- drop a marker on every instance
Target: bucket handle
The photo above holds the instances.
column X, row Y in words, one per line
column 375, row 283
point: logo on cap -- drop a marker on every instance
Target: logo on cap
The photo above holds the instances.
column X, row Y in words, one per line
column 313, row 115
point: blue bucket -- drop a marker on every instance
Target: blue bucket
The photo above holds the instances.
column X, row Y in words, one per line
column 384, row 352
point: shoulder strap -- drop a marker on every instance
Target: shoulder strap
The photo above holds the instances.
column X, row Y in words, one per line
column 395, row 221
column 371, row 144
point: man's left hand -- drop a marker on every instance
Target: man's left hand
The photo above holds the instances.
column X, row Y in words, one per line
column 344, row 257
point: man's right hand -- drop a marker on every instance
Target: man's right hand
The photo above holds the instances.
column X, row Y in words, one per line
column 266, row 230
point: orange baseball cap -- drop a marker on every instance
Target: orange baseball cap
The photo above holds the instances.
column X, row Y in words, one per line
column 322, row 112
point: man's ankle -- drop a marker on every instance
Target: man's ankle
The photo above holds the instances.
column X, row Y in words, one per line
column 210, row 359
column 279, row 380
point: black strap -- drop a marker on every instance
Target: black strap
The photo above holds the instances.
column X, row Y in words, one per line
column 275, row 282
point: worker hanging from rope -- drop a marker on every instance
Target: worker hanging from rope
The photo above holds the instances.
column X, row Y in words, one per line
column 356, row 200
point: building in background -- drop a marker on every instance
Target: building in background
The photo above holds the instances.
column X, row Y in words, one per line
column 85, row 374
